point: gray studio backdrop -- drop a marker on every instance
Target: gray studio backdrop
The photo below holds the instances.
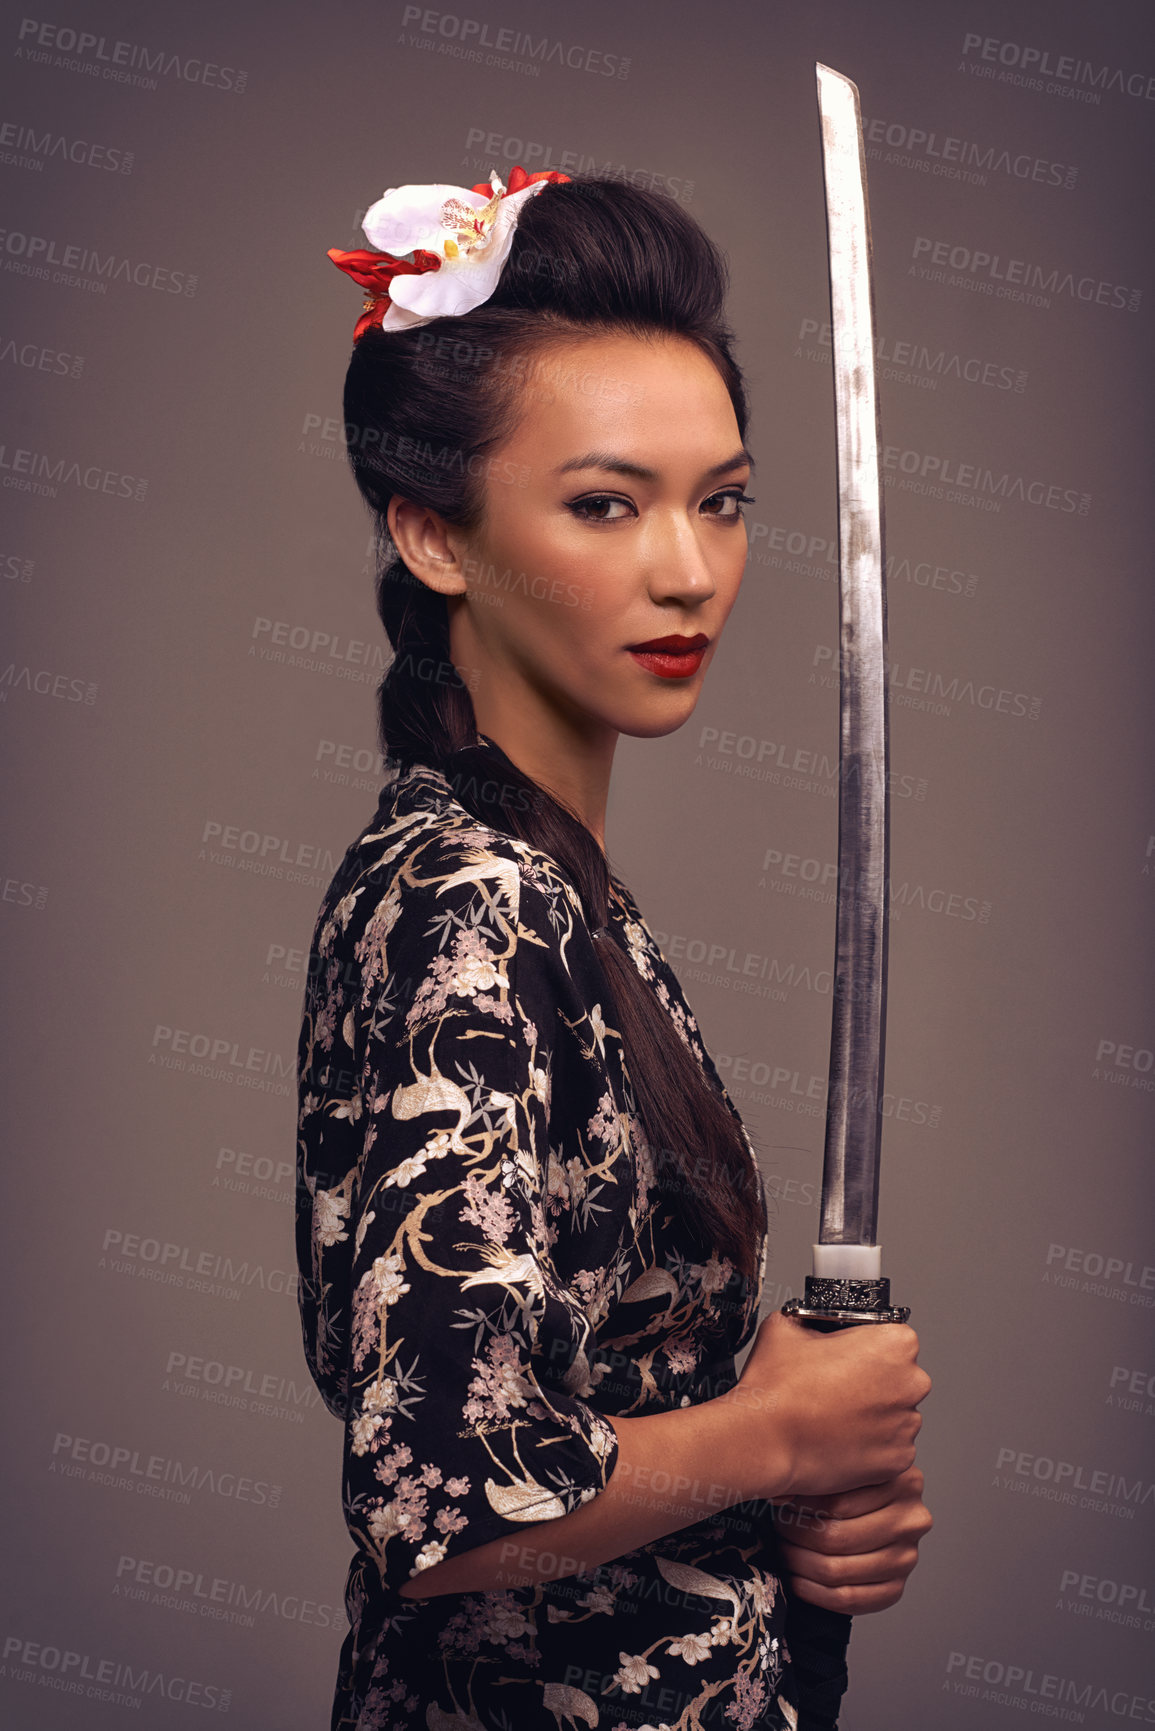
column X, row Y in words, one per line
column 186, row 689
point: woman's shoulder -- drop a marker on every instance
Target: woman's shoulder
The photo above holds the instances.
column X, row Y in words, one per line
column 423, row 848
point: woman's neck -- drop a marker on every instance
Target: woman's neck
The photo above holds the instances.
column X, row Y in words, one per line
column 579, row 778
column 564, row 748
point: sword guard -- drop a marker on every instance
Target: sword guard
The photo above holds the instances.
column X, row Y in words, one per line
column 830, row 1304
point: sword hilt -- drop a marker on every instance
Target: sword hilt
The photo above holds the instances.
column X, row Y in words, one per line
column 829, row 1304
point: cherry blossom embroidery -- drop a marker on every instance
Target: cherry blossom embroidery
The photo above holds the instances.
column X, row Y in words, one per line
column 485, row 1278
column 330, row 1211
column 634, row 1673
column 692, row 1648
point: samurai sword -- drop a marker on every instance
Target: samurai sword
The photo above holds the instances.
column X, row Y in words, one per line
column 847, row 1287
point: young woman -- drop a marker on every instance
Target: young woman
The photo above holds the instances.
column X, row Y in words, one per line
column 531, row 1230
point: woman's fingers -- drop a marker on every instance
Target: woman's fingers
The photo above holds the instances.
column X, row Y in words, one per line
column 852, row 1601
column 818, row 1530
column 863, row 1568
column 854, row 1551
column 801, row 1514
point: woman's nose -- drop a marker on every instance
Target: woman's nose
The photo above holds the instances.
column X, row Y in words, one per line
column 679, row 565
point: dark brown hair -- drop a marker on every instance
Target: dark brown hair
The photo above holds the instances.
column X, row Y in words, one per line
column 424, row 411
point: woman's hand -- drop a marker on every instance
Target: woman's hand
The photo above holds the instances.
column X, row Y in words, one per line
column 853, row 1552
column 821, row 1413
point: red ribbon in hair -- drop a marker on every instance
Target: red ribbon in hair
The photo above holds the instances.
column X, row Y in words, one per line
column 374, row 271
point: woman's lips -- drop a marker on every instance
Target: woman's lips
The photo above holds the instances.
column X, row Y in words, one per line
column 672, row 657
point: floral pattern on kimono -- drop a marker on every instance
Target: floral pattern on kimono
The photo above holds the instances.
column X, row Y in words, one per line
column 488, row 1270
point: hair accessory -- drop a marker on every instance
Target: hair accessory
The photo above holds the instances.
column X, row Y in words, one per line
column 440, row 248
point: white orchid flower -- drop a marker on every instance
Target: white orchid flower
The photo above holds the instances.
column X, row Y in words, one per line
column 469, row 233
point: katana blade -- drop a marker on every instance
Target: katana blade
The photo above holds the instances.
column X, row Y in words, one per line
column 847, row 1286
column 858, row 1035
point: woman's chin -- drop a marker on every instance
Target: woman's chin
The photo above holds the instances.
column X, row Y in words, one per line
column 657, row 721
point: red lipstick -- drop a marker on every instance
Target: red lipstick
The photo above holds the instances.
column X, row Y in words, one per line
column 671, row 657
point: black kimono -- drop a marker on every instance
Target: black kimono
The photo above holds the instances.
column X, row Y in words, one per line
column 486, row 1272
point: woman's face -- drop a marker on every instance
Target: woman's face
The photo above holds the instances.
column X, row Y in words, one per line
column 611, row 519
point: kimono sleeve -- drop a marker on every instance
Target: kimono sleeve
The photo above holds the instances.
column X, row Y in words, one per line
column 464, row 1342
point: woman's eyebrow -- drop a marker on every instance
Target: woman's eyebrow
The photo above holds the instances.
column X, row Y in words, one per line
column 616, row 465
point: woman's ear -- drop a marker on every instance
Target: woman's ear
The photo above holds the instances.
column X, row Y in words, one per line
column 433, row 550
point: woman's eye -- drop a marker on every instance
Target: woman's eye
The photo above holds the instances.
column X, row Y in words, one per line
column 734, row 500
column 596, row 508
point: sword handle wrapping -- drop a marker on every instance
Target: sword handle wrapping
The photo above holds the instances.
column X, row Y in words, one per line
column 818, row 1638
